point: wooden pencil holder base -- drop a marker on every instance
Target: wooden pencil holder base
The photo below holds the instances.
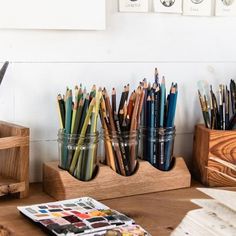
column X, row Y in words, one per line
column 14, row 160
column 108, row 184
column 207, row 145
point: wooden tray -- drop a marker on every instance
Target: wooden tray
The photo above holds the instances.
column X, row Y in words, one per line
column 207, row 145
column 14, row 159
column 107, row 184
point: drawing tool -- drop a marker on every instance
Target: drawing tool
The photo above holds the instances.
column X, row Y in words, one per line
column 162, row 103
column 122, row 99
column 75, row 108
column 171, row 107
column 233, row 95
column 61, row 110
column 84, row 112
column 78, row 116
column 113, row 130
column 156, row 76
column 68, row 110
column 113, row 100
column 130, row 106
column 226, row 107
column 203, row 107
column 134, row 126
column 206, row 111
column 74, row 163
column 144, row 109
column 126, row 92
column 110, row 158
column 3, row 71
column 90, row 157
column 221, row 111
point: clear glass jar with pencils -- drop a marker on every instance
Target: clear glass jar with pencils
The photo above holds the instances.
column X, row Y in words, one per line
column 121, row 151
column 156, row 146
column 78, row 137
column 78, row 154
column 157, row 129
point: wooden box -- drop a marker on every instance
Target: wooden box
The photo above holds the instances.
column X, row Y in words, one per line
column 209, row 146
column 108, row 184
column 14, row 159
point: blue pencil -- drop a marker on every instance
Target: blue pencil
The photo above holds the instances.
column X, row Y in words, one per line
column 162, row 105
column 67, row 123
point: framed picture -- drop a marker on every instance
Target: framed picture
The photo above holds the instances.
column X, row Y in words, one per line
column 197, row 7
column 53, row 14
column 168, row 6
column 133, row 5
column 225, row 8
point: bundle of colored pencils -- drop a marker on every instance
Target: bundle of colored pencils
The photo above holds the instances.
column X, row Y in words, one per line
column 158, row 113
column 78, row 121
column 120, row 128
column 216, row 113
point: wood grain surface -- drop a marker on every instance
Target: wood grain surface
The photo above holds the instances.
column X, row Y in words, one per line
column 14, row 159
column 108, row 184
column 159, row 213
column 214, row 143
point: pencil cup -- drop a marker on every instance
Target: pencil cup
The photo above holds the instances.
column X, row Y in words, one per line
column 121, row 151
column 156, row 146
column 78, row 154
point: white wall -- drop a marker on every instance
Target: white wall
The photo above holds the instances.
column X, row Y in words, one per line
column 185, row 49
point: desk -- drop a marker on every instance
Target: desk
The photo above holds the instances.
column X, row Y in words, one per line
column 158, row 213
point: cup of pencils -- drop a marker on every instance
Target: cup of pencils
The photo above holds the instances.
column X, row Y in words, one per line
column 78, row 137
column 157, row 129
column 120, row 129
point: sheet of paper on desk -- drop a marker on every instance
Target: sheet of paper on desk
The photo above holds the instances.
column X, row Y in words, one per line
column 216, row 217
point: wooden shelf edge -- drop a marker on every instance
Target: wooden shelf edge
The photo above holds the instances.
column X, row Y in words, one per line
column 9, row 186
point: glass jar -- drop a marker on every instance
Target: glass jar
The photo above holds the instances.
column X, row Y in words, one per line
column 121, row 151
column 157, row 145
column 78, row 154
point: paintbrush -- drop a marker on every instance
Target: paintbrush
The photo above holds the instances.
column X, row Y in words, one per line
column 3, row 70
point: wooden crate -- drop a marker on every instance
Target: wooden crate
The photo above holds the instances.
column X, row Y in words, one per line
column 207, row 145
column 14, row 159
column 108, row 184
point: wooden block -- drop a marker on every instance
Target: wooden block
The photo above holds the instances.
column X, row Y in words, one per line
column 14, row 159
column 214, row 143
column 108, row 184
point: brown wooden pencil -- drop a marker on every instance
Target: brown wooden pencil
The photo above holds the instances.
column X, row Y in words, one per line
column 110, row 159
column 113, row 130
column 133, row 128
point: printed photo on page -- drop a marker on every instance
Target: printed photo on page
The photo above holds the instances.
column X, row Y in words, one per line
column 225, row 8
column 133, row 5
column 197, row 7
column 168, row 6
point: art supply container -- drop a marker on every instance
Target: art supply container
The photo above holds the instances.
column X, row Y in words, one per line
column 156, row 146
column 121, row 151
column 78, row 154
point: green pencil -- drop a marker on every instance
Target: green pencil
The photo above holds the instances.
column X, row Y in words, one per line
column 82, row 135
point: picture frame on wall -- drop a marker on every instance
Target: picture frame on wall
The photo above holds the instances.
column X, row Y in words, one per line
column 197, row 7
column 225, row 8
column 168, row 6
column 133, row 5
column 53, row 14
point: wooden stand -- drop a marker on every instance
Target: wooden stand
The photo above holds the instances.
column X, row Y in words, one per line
column 214, row 143
column 107, row 184
column 14, row 159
